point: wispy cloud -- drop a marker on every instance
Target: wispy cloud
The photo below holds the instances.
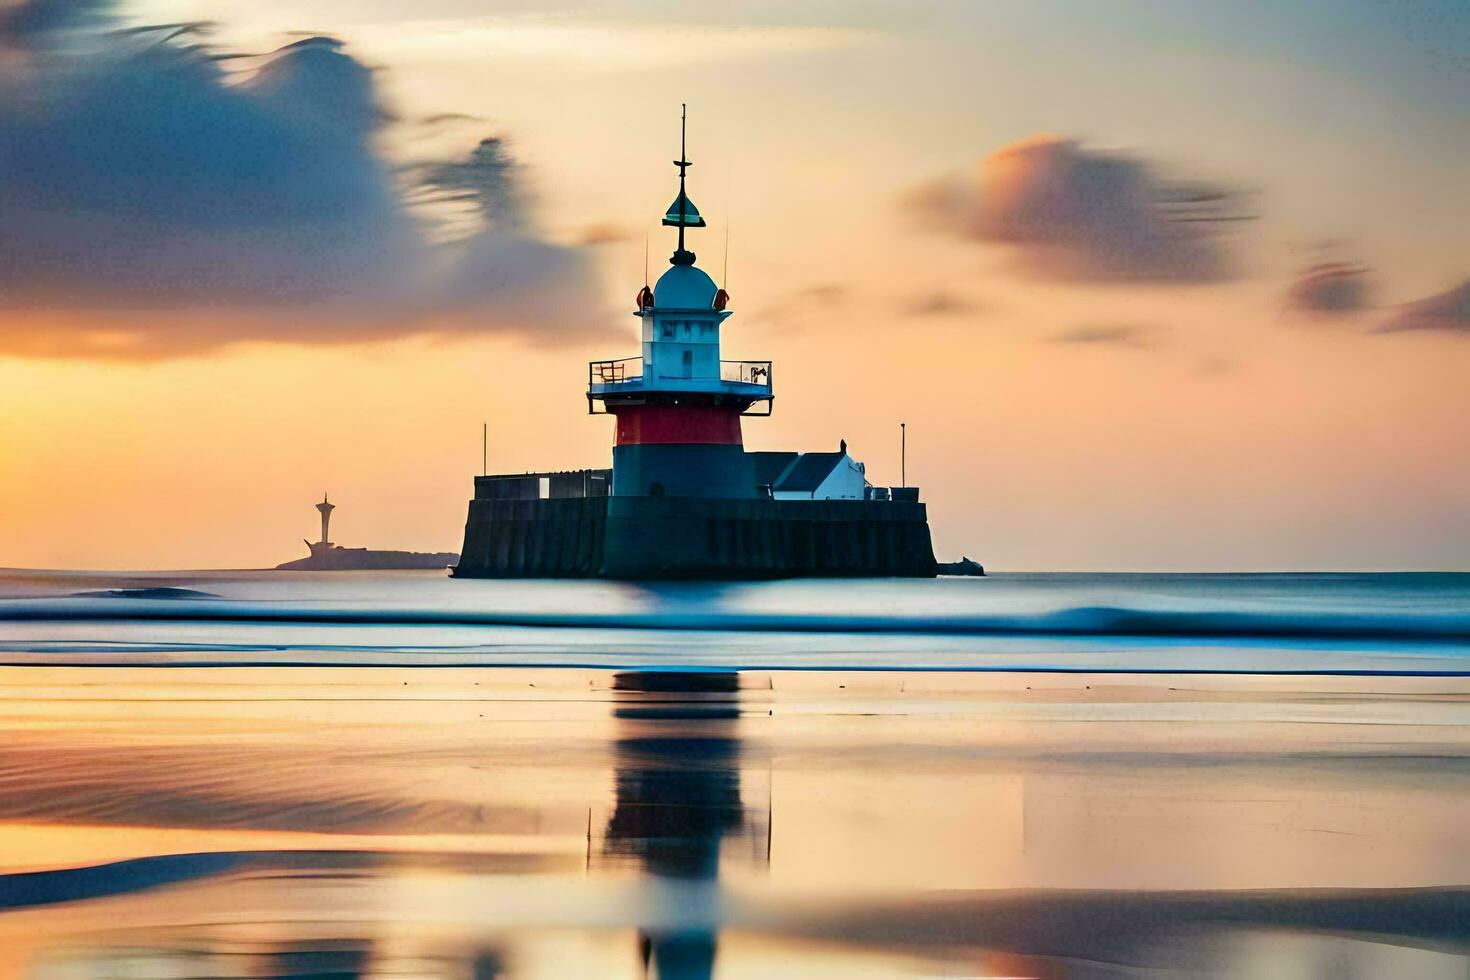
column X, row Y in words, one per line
column 1134, row 337
column 1330, row 288
column 1448, row 312
column 604, row 233
column 1075, row 213
column 607, row 46
column 939, row 303
column 1216, row 365
column 800, row 308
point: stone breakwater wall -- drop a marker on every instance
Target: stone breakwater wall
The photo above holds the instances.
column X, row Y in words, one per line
column 694, row 538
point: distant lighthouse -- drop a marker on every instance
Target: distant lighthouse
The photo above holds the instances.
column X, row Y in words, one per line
column 325, row 556
column 326, row 511
column 678, row 405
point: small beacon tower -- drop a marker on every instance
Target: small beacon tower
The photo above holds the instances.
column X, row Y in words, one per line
column 678, row 405
column 325, row 509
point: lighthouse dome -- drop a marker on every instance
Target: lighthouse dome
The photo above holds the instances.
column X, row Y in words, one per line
column 684, row 287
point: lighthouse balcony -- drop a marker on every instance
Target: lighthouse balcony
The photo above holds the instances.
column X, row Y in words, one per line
column 627, row 377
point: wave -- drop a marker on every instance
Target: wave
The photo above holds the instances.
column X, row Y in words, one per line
column 155, row 592
column 31, row 888
column 1080, row 621
column 27, row 889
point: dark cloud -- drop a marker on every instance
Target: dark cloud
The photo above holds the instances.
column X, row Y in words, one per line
column 1329, row 288
column 486, row 182
column 1447, row 311
column 1137, row 338
column 21, row 23
column 1080, row 214
column 136, row 177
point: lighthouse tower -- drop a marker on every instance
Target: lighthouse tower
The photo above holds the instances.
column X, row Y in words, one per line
column 325, row 508
column 678, row 405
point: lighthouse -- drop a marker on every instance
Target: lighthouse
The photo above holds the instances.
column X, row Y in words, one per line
column 325, row 509
column 683, row 499
column 678, row 405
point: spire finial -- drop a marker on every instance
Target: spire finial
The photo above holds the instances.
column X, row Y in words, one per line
column 683, row 133
column 682, row 213
column 683, row 166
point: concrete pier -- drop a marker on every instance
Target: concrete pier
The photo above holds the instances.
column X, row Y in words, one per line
column 512, row 536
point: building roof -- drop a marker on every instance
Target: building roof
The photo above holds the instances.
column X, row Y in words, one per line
column 769, row 466
column 809, row 472
column 684, row 287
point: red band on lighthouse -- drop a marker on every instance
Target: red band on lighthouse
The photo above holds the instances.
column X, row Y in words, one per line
column 704, row 425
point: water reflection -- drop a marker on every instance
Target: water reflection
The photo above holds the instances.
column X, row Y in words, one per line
column 537, row 824
column 319, row 960
column 308, row 959
column 677, row 755
column 678, row 797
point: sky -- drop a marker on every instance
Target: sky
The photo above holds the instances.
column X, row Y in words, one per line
column 1153, row 285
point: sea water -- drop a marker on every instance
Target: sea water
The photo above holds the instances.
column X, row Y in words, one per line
column 1095, row 622
column 385, row 774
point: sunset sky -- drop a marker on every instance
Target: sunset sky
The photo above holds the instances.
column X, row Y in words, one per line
column 1154, row 285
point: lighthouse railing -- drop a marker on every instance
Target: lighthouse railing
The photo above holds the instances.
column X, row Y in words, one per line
column 747, row 372
column 620, row 371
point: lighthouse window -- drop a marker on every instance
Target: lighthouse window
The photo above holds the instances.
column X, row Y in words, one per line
column 668, row 330
column 686, row 328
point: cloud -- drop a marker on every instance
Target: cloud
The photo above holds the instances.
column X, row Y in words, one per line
column 822, row 294
column 594, row 45
column 1216, row 365
column 939, row 303
column 22, row 23
column 801, row 308
column 1447, row 311
column 1137, row 338
column 1329, row 288
column 138, row 177
column 1073, row 213
column 603, row 233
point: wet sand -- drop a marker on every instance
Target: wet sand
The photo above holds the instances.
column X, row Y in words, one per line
column 478, row 822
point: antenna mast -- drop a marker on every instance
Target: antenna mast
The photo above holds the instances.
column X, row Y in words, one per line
column 683, row 164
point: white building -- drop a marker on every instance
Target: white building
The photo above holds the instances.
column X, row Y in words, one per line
column 811, row 476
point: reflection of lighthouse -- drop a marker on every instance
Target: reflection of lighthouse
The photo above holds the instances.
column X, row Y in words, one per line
column 679, row 799
column 326, row 511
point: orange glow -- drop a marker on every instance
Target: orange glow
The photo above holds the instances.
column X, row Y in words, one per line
column 1234, row 439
